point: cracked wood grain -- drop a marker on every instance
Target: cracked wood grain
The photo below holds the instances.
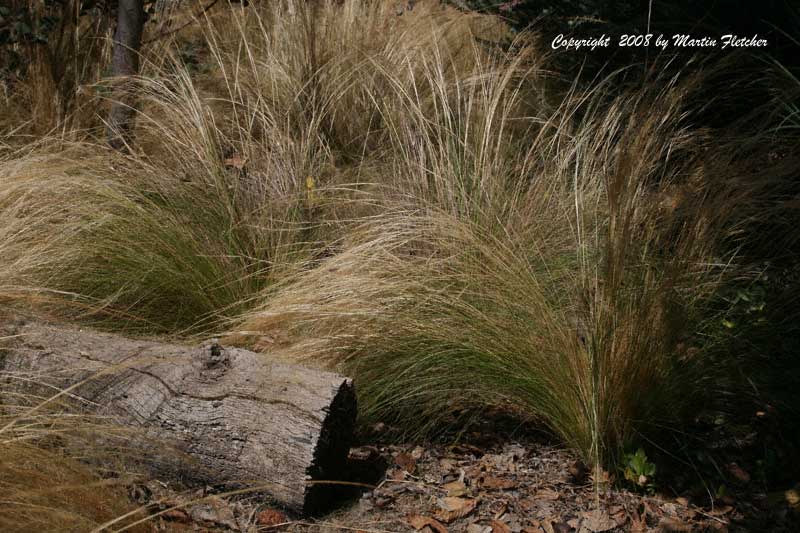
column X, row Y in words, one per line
column 234, row 417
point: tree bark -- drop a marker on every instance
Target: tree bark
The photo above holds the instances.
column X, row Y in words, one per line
column 236, row 418
column 124, row 65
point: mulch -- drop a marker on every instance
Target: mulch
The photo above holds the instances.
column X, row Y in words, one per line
column 505, row 487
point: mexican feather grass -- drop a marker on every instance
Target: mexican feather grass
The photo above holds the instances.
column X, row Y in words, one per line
column 398, row 198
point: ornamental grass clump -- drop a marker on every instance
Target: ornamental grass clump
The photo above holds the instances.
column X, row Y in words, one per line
column 319, row 67
column 230, row 180
column 557, row 265
column 45, row 443
column 166, row 240
column 423, row 208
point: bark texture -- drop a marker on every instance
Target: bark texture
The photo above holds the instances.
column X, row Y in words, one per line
column 238, row 419
column 124, row 64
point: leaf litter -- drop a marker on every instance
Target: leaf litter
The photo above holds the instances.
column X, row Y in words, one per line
column 496, row 488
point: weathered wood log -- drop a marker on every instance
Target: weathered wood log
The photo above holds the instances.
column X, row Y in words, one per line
column 238, row 419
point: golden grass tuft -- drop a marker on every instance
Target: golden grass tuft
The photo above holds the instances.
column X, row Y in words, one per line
column 45, row 490
column 566, row 271
column 60, row 467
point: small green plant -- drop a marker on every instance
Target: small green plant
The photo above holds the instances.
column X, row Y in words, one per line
column 746, row 305
column 639, row 470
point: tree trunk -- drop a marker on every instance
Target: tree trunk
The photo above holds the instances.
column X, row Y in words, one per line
column 236, row 418
column 124, row 64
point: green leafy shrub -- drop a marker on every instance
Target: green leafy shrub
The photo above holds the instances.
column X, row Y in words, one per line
column 638, row 470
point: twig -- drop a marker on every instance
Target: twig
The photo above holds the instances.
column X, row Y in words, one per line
column 711, row 516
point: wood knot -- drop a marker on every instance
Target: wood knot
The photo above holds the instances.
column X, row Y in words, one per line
column 217, row 355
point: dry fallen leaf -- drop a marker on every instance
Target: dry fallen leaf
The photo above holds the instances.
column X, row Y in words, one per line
column 669, row 508
column 406, row 461
column 418, row 522
column 578, row 472
column 447, row 464
column 722, row 527
column 562, row 527
column 496, row 483
column 739, row 473
column 452, row 504
column 720, row 511
column 498, row 508
column 620, row 517
column 499, row 527
column 546, row 494
column 364, row 453
column 455, row 488
column 176, row 515
column 792, row 497
column 789, row 497
column 638, row 523
column 270, row 517
column 383, row 501
column 600, row 476
column 535, row 527
column 454, row 508
column 598, row 521
column 417, row 453
column 215, row 510
column 673, row 525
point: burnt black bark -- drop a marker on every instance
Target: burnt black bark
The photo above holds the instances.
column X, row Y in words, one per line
column 125, row 65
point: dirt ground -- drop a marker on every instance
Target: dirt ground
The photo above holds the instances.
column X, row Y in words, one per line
column 505, row 487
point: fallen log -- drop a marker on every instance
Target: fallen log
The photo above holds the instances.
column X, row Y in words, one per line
column 237, row 419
